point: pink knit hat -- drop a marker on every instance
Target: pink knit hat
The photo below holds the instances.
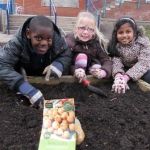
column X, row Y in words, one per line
column 81, row 61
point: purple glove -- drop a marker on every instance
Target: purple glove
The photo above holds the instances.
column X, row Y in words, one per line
column 97, row 72
column 120, row 83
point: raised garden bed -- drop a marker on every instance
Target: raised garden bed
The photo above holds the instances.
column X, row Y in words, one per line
column 118, row 122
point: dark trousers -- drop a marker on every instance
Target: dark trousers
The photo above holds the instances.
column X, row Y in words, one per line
column 146, row 77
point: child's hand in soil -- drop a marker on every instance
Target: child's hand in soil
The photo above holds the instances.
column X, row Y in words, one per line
column 34, row 95
column 120, row 84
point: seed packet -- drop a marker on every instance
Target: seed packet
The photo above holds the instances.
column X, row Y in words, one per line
column 58, row 129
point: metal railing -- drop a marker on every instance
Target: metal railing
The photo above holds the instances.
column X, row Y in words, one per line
column 53, row 10
column 106, row 4
column 9, row 7
column 9, row 10
column 91, row 8
column 139, row 2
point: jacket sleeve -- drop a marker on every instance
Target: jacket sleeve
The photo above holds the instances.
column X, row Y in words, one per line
column 118, row 66
column 64, row 54
column 143, row 63
column 106, row 62
column 9, row 56
column 70, row 40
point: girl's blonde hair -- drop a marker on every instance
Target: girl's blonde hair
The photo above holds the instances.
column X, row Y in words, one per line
column 102, row 40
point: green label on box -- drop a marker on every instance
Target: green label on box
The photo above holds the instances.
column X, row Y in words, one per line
column 58, row 129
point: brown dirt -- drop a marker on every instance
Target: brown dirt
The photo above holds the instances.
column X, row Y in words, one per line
column 119, row 122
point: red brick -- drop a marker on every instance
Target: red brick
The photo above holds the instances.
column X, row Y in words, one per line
column 34, row 7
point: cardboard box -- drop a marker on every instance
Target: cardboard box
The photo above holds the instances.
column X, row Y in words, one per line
column 58, row 129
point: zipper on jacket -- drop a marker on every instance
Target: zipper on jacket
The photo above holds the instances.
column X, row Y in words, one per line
column 86, row 47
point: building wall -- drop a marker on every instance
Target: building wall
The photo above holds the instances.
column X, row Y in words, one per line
column 34, row 7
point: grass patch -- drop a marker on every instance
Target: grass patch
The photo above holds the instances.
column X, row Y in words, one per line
column 148, row 31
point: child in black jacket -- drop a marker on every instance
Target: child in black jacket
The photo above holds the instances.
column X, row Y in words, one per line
column 38, row 48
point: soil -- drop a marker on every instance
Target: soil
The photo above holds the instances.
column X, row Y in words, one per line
column 118, row 122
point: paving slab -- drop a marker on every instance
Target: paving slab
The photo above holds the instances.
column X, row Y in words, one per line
column 4, row 38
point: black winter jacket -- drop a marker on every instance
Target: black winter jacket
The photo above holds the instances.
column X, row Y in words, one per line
column 18, row 53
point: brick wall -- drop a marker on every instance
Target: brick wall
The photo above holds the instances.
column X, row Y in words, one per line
column 130, row 9
column 34, row 7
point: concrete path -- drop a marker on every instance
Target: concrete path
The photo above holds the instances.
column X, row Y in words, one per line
column 4, row 38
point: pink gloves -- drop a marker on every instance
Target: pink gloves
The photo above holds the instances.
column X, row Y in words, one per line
column 120, row 83
column 97, row 72
column 80, row 74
